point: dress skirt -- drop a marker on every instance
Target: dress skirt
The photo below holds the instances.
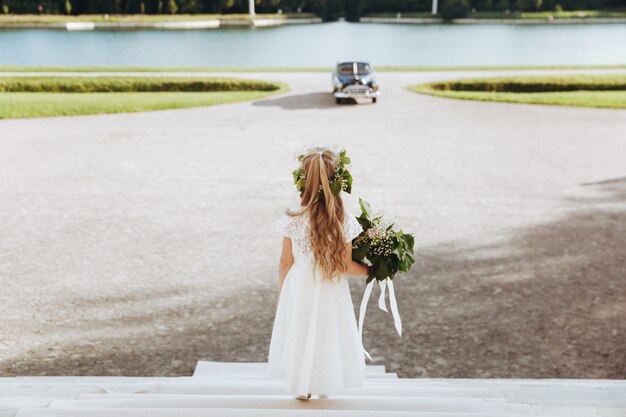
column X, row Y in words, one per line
column 315, row 343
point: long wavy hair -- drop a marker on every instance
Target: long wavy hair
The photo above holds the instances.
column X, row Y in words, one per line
column 325, row 214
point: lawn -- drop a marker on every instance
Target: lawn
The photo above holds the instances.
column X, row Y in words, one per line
column 66, row 96
column 608, row 91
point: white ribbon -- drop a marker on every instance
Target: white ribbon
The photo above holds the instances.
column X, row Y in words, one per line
column 397, row 321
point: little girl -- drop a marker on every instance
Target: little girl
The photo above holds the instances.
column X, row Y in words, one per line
column 315, row 342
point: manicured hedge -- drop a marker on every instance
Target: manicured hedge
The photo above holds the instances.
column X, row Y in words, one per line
column 130, row 84
column 536, row 84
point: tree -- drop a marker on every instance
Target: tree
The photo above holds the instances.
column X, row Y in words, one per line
column 353, row 9
column 103, row 6
column 454, row 9
column 68, row 7
column 326, row 9
column 171, row 7
column 189, row 6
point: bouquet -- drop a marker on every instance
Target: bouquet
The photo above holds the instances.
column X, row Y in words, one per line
column 388, row 251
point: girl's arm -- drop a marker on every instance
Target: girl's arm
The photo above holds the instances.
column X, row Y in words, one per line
column 286, row 260
column 354, row 268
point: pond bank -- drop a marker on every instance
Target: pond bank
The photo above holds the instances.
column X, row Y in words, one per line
column 484, row 21
column 218, row 23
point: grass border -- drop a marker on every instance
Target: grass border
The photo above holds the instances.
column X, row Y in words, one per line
column 556, row 98
column 283, row 88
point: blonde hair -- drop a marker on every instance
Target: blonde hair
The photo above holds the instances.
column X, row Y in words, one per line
column 325, row 210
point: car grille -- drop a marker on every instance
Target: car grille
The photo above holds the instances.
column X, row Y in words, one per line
column 357, row 89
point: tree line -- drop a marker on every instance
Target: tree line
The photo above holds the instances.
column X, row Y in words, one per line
column 326, row 9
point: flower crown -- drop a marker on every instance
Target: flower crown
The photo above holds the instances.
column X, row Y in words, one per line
column 340, row 180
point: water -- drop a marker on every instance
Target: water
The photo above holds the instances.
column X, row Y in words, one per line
column 323, row 45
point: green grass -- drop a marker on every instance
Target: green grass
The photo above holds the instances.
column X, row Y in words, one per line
column 608, row 91
column 383, row 68
column 14, row 105
column 136, row 18
column 574, row 14
column 67, row 96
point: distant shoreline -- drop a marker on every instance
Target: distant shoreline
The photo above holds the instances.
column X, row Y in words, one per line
column 204, row 22
column 149, row 22
column 489, row 21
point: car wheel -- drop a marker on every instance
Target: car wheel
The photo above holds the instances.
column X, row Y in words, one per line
column 337, row 100
column 374, row 100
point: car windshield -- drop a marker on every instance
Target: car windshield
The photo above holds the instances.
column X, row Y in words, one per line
column 354, row 68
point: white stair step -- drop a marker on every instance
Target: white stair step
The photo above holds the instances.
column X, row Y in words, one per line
column 553, row 411
column 420, row 392
column 286, row 402
column 489, row 382
column 8, row 412
column 568, row 402
column 232, row 412
column 229, row 368
column 178, row 386
column 218, row 388
column 50, row 388
column 46, row 380
column 539, row 392
column 17, row 402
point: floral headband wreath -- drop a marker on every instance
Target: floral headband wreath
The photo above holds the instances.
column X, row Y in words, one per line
column 340, row 180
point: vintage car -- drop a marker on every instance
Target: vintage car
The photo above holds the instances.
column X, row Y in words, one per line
column 354, row 80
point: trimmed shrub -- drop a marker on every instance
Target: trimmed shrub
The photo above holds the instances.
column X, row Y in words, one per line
column 535, row 84
column 130, row 84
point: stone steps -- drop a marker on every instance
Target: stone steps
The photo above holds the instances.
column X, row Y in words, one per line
column 244, row 390
column 217, row 412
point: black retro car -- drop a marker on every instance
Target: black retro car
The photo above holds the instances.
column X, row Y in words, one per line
column 353, row 80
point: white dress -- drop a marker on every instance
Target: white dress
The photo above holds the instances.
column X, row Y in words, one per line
column 315, row 343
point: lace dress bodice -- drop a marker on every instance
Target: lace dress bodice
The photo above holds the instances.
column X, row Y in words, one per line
column 297, row 228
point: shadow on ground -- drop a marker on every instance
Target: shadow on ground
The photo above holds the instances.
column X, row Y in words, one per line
column 548, row 302
column 300, row 101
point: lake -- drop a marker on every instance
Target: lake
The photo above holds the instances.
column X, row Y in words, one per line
column 323, row 44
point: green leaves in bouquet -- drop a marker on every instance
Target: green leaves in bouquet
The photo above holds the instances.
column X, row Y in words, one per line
column 359, row 251
column 365, row 208
column 383, row 266
column 404, row 251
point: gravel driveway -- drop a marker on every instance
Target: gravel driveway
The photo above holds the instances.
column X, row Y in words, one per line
column 136, row 244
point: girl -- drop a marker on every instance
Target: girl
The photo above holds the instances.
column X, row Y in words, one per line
column 315, row 342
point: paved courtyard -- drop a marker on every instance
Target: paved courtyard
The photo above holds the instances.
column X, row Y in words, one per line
column 139, row 243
